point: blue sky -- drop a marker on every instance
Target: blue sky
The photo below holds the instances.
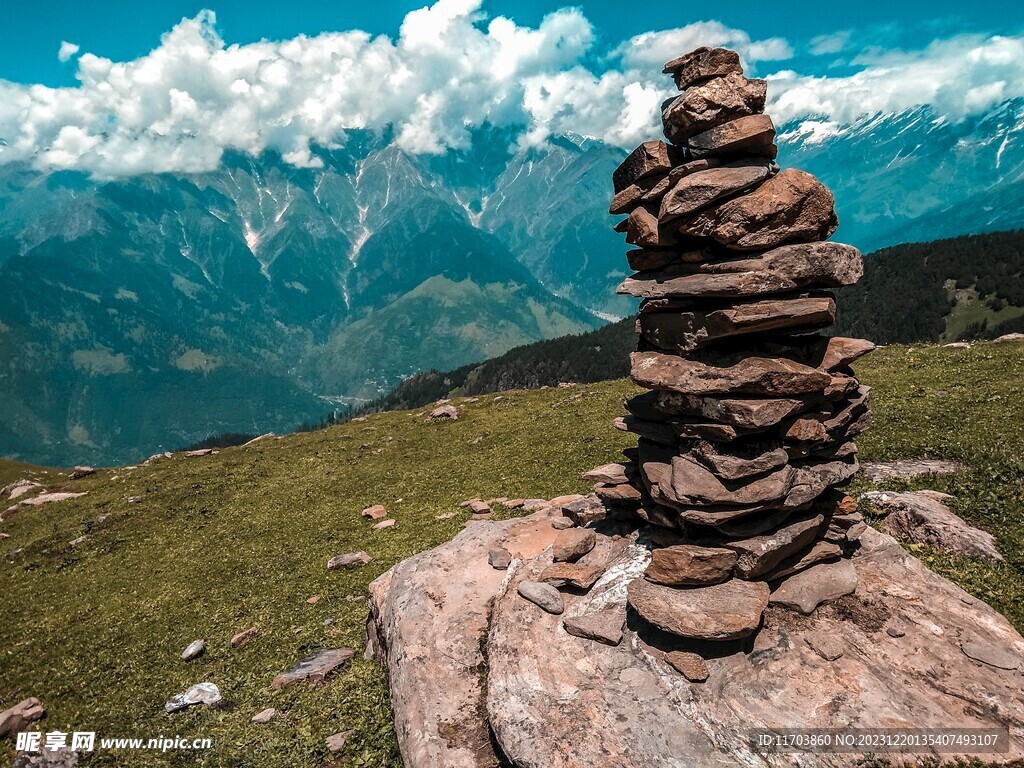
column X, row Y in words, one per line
column 117, row 88
column 119, row 30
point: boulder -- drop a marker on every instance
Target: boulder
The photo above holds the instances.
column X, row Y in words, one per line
column 806, row 590
column 730, row 466
column 711, row 103
column 765, row 377
column 690, row 565
column 751, row 135
column 435, row 608
column 791, row 207
column 786, row 268
column 686, row 331
column 924, row 519
column 697, row 191
column 315, row 667
column 19, row 488
column 702, row 64
column 79, row 472
column 540, row 683
column 726, row 611
column 691, row 484
column 19, row 717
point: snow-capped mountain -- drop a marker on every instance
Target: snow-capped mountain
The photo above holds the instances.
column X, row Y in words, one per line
column 149, row 312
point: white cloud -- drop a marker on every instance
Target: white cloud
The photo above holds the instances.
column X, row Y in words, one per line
column 830, row 43
column 67, row 50
column 450, row 68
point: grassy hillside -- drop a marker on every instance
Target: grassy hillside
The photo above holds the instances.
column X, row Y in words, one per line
column 217, row 544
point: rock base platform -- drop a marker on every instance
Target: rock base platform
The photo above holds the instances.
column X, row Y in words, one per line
column 480, row 675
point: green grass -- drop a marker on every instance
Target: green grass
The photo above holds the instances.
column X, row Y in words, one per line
column 221, row 543
column 971, row 309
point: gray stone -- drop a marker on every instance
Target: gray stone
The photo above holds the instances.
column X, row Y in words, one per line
column 603, row 627
column 194, row 650
column 542, row 595
column 570, row 545
column 346, row 561
column 758, row 555
column 336, row 741
column 499, row 558
column 314, row 667
column 264, row 717
column 994, row 656
column 702, row 64
column 763, row 376
column 201, row 693
column 808, row 589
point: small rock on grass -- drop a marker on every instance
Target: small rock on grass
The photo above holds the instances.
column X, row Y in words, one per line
column 265, row 716
column 194, row 650
column 336, row 742
column 201, row 693
column 478, row 507
column 315, row 667
column 244, row 637
column 384, row 524
column 20, row 716
column 689, row 665
column 375, row 512
column 347, row 560
column 543, row 596
column 313, row 600
column 499, row 558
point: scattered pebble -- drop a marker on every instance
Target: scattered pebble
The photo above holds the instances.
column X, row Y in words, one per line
column 194, row 650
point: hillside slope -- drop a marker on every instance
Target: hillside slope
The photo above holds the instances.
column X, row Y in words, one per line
column 210, row 546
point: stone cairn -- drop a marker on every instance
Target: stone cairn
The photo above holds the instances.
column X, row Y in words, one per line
column 748, row 425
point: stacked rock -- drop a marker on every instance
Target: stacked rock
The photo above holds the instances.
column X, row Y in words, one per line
column 747, row 428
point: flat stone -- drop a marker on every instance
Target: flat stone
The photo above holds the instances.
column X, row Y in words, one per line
column 644, row 228
column 575, row 575
column 345, row 561
column 19, row 488
column 244, row 637
column 726, row 611
column 499, row 558
column 918, row 517
column 194, row 650
column 572, row 544
column 19, row 717
column 604, row 626
column 711, row 103
column 691, row 330
column 693, row 484
column 699, row 190
column 808, row 589
column 689, row 665
column 993, row 655
column 542, row 595
column 791, row 207
column 375, row 512
column 730, row 467
column 751, row 135
column 315, row 667
column 561, row 523
column 200, row 693
column 651, row 157
column 817, row 552
column 828, row 647
column 478, row 507
column 758, row 555
column 702, row 64
column 624, row 493
column 585, row 509
column 612, row 474
column 264, row 717
column 786, row 268
column 907, row 469
column 690, row 565
column 744, row 413
column 336, row 741
column 444, row 412
column 79, row 472
column 766, row 377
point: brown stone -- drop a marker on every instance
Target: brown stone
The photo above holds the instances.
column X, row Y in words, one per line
column 733, row 467
column 611, row 474
column 690, row 565
column 745, row 413
column 603, row 626
column 791, row 207
column 689, row 665
column 752, row 135
column 644, row 228
column 572, row 544
column 818, row 552
column 711, row 103
column 765, row 377
column 244, row 637
column 694, row 485
column 626, row 493
column 20, row 716
column 665, row 183
column 760, row 554
column 345, row 561
column 584, row 509
column 688, row 331
column 629, row 198
column 702, row 64
column 576, row 575
column 725, row 611
column 651, row 157
column 699, row 190
column 787, row 268
column 376, row 512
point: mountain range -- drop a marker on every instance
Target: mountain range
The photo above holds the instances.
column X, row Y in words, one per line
column 145, row 313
